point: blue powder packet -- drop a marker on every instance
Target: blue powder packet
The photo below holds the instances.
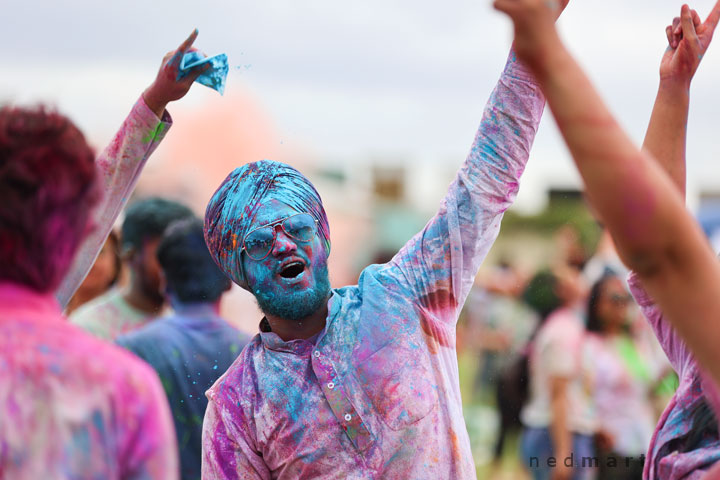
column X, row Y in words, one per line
column 214, row 77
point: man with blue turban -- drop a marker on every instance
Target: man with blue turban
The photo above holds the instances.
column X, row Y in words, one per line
column 359, row 382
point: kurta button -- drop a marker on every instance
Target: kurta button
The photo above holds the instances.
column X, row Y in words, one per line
column 331, row 385
column 348, row 417
column 317, row 353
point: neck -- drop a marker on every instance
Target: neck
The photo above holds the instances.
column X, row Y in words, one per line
column 303, row 328
column 135, row 296
column 613, row 330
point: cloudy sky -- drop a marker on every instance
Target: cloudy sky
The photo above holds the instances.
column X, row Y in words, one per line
column 350, row 79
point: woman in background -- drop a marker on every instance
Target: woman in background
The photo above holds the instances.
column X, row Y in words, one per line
column 623, row 378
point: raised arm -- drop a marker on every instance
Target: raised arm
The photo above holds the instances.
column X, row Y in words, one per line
column 635, row 198
column 688, row 40
column 120, row 164
column 666, row 141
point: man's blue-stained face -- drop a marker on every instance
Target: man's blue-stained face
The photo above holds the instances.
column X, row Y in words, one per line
column 292, row 281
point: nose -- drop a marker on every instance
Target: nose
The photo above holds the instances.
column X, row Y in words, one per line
column 283, row 243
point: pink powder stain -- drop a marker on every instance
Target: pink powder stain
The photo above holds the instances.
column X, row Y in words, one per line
column 441, row 302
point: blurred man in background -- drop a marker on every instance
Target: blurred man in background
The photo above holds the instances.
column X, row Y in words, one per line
column 121, row 311
column 192, row 348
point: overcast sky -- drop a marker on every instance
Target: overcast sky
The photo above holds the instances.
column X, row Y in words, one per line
column 350, row 79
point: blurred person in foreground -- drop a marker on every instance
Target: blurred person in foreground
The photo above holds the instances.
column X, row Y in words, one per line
column 104, row 274
column 559, row 416
column 141, row 301
column 192, row 348
column 639, row 196
column 361, row 381
column 72, row 407
column 624, row 374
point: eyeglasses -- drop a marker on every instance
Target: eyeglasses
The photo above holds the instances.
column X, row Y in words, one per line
column 258, row 243
column 620, row 300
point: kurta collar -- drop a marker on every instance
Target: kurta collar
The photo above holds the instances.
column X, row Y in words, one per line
column 272, row 341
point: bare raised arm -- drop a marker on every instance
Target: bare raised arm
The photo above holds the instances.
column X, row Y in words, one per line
column 688, row 40
column 637, row 200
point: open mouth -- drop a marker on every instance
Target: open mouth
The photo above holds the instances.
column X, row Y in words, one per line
column 292, row 270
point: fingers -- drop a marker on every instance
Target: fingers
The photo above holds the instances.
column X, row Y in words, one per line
column 188, row 41
column 688, row 28
column 672, row 37
column 675, row 33
column 695, row 18
column 712, row 20
column 184, row 47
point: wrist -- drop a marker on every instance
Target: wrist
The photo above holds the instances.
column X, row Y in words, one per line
column 675, row 85
column 550, row 58
column 154, row 101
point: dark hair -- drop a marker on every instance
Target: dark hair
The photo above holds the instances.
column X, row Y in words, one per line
column 594, row 322
column 47, row 190
column 190, row 271
column 541, row 293
column 117, row 261
column 148, row 218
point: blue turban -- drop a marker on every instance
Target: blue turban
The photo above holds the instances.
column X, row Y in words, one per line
column 232, row 208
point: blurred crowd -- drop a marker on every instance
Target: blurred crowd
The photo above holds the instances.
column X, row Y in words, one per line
column 567, row 354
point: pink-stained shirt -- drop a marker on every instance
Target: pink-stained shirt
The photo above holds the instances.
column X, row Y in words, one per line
column 665, row 459
column 377, row 394
column 72, row 406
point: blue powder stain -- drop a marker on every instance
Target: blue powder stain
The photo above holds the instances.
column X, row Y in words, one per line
column 215, row 367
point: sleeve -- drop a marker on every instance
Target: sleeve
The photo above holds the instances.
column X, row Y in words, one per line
column 439, row 264
column 227, row 452
column 147, row 443
column 671, row 343
column 118, row 167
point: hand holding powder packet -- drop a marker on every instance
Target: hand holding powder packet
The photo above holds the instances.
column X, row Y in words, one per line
column 214, row 77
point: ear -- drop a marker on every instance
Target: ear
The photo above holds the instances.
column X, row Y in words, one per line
column 128, row 254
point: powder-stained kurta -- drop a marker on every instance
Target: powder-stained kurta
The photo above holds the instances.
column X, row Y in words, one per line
column 666, row 459
column 72, row 406
column 378, row 395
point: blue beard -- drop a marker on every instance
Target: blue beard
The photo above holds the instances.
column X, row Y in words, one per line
column 296, row 305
